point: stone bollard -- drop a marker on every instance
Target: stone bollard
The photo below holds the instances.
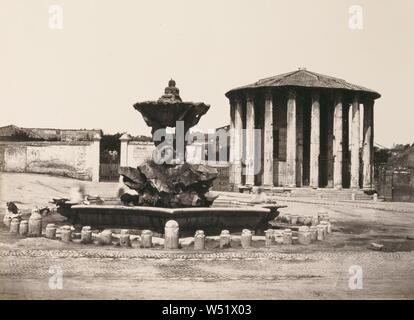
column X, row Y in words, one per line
column 7, row 221
column 321, row 232
column 278, row 236
column 246, row 239
column 269, row 237
column 286, row 218
column 105, row 237
column 375, row 197
column 301, row 220
column 146, row 239
column 171, row 235
column 199, row 240
column 225, row 239
column 35, row 224
column 329, row 227
column 326, row 225
column 308, row 221
column 353, row 196
column 321, row 215
column 24, row 228
column 66, row 234
column 294, row 219
column 304, row 236
column 287, row 236
column 125, row 239
column 14, row 226
column 86, row 235
column 50, row 231
column 325, row 216
column 314, row 233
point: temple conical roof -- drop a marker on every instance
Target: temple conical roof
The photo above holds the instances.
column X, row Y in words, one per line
column 305, row 78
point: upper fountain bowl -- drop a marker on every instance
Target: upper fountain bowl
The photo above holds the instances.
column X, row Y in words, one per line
column 169, row 109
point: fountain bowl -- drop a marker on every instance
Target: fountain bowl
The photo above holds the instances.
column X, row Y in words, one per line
column 211, row 220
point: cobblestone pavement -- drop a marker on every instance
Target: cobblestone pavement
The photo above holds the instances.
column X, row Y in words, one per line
column 321, row 270
column 113, row 274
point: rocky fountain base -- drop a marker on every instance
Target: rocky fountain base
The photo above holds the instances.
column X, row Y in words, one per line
column 169, row 186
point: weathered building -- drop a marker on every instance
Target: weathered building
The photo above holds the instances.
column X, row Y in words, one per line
column 72, row 153
column 310, row 127
column 15, row 133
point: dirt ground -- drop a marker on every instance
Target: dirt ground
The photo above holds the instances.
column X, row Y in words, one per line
column 322, row 270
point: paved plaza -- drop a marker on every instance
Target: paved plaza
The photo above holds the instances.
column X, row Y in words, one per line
column 321, row 270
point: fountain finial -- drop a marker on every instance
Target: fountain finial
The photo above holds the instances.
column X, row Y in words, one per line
column 171, row 93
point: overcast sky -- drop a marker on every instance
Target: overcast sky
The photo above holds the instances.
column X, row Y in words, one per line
column 110, row 54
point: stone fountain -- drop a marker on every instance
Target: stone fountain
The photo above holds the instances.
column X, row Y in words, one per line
column 167, row 180
column 167, row 187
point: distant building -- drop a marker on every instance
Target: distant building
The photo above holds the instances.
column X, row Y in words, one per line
column 395, row 179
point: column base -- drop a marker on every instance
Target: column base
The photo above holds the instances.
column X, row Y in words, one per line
column 368, row 189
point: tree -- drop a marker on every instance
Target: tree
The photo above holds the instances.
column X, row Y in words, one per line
column 110, row 147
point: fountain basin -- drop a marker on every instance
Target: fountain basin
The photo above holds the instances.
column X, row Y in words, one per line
column 211, row 220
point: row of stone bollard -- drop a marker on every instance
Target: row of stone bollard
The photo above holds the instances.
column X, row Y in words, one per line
column 273, row 237
column 31, row 227
column 323, row 215
column 305, row 235
column 172, row 238
column 299, row 220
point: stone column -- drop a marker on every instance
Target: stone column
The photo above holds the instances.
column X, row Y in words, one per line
column 96, row 157
column 123, row 160
column 337, row 141
column 268, row 141
column 315, row 140
column 330, row 112
column 345, row 145
column 238, row 141
column 299, row 142
column 231, row 157
column 123, row 157
column 291, row 154
column 250, row 141
column 355, row 140
column 368, row 146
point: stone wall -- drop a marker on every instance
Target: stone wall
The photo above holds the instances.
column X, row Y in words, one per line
column 138, row 152
column 78, row 159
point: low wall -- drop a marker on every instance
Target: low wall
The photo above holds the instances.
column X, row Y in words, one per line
column 138, row 152
column 78, row 159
